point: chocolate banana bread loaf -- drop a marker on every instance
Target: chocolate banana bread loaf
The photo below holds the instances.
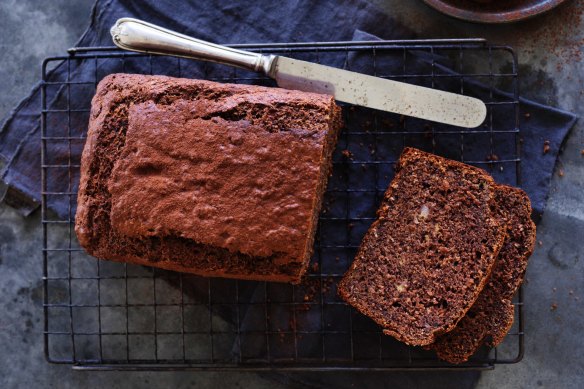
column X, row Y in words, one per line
column 424, row 261
column 214, row 179
column 491, row 316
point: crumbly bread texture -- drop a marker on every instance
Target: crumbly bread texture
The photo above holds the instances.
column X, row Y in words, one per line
column 214, row 179
column 491, row 316
column 424, row 261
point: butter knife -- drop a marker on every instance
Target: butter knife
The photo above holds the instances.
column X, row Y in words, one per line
column 350, row 87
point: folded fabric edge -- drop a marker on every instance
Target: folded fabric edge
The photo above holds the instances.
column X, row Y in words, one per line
column 19, row 201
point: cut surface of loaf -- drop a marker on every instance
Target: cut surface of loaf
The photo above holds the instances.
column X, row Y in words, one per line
column 492, row 314
column 424, row 261
column 214, row 179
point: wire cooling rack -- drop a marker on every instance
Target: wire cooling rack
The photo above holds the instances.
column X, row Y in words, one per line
column 106, row 315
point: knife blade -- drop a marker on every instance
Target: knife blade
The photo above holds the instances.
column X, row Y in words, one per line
column 346, row 86
column 378, row 93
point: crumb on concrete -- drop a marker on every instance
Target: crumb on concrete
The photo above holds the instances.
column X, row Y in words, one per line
column 347, row 154
column 327, row 284
column 553, row 307
column 315, row 267
column 311, row 289
column 492, row 158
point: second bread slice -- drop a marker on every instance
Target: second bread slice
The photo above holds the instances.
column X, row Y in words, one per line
column 425, row 260
column 492, row 314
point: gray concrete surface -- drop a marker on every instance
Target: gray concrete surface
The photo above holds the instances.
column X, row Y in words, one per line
column 549, row 51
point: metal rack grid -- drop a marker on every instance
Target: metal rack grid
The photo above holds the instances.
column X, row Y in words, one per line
column 105, row 315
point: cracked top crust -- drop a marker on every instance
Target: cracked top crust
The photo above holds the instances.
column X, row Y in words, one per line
column 231, row 184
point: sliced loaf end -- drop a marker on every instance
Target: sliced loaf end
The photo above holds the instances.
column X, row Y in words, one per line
column 421, row 265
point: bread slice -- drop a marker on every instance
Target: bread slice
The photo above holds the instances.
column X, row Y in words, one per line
column 492, row 314
column 214, row 179
column 424, row 261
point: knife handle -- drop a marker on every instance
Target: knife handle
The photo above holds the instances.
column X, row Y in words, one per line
column 137, row 35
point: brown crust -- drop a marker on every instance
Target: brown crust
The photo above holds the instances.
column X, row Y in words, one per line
column 405, row 282
column 492, row 314
column 127, row 164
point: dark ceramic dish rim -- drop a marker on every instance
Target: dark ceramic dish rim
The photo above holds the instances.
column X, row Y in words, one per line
column 494, row 17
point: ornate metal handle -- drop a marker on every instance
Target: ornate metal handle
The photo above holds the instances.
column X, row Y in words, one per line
column 137, row 35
